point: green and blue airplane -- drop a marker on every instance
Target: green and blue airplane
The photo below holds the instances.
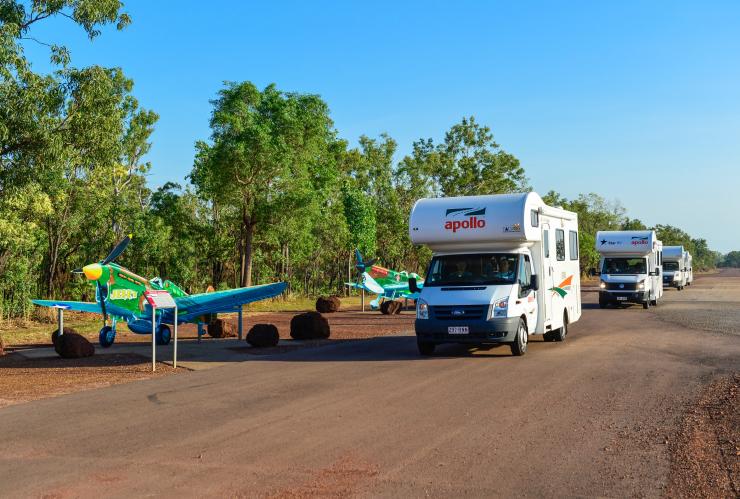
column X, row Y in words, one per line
column 119, row 294
column 386, row 283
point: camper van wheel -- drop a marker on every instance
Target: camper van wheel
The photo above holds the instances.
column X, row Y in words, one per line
column 646, row 304
column 426, row 348
column 560, row 333
column 603, row 303
column 519, row 347
column 655, row 302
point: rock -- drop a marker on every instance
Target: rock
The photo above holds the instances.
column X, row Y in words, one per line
column 219, row 328
column 71, row 345
column 263, row 335
column 390, row 307
column 309, row 326
column 328, row 305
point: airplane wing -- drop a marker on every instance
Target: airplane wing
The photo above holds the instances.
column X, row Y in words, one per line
column 230, row 300
column 79, row 306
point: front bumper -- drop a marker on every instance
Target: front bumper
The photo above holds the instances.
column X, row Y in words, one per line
column 497, row 330
column 624, row 296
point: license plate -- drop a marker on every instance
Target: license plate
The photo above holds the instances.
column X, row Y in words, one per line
column 457, row 330
column 621, row 298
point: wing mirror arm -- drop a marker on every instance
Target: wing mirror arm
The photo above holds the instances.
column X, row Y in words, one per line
column 413, row 287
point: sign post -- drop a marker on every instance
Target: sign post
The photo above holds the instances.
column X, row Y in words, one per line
column 159, row 298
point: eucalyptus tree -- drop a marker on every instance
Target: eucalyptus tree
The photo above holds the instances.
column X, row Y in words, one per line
column 258, row 160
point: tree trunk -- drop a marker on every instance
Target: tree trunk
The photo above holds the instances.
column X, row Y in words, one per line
column 247, row 235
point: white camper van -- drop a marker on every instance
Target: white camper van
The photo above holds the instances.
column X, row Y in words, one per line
column 689, row 260
column 674, row 267
column 630, row 267
column 504, row 267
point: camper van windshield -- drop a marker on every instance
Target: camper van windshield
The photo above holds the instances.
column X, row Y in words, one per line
column 624, row 266
column 477, row 269
column 670, row 266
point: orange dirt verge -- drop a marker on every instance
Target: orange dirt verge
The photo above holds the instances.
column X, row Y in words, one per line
column 22, row 380
column 706, row 454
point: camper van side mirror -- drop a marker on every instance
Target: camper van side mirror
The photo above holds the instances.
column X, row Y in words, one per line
column 413, row 287
column 534, row 282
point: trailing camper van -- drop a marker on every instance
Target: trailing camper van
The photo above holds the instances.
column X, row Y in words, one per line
column 504, row 267
column 630, row 267
column 675, row 272
column 689, row 260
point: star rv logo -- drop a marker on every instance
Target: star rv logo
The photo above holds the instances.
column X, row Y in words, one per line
column 465, row 218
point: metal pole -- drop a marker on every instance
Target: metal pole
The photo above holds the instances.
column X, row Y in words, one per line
column 240, row 323
column 200, row 330
column 363, row 300
column 174, row 356
column 60, row 314
column 154, row 347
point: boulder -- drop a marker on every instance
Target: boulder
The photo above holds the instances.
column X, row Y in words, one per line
column 309, row 326
column 263, row 335
column 220, row 328
column 390, row 307
column 71, row 345
column 328, row 305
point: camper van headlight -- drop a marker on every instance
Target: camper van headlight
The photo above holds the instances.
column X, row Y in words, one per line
column 422, row 309
column 602, row 285
column 641, row 285
column 501, row 307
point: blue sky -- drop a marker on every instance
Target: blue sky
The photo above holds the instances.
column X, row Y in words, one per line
column 637, row 101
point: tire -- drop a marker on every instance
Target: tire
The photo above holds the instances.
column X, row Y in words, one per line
column 646, row 304
column 426, row 348
column 107, row 336
column 519, row 347
column 603, row 303
column 655, row 302
column 560, row 333
column 548, row 336
column 163, row 335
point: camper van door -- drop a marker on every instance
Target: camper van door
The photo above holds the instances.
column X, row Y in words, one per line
column 547, row 278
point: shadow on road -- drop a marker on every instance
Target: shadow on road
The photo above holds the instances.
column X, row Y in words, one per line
column 389, row 348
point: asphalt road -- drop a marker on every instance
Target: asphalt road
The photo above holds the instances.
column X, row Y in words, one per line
column 591, row 416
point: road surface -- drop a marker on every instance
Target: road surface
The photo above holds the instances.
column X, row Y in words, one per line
column 592, row 416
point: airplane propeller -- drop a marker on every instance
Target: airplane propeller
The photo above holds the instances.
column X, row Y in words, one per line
column 117, row 250
column 362, row 265
column 93, row 272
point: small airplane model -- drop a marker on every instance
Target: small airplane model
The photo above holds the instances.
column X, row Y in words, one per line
column 119, row 293
column 387, row 284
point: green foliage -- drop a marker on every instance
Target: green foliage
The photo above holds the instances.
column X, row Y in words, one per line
column 731, row 259
column 359, row 211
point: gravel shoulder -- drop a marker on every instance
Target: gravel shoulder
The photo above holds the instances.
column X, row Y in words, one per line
column 711, row 304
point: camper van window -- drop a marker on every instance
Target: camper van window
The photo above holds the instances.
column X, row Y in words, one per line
column 560, row 244
column 546, row 242
column 573, row 244
column 472, row 270
column 525, row 276
column 535, row 218
column 624, row 266
column 670, row 266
